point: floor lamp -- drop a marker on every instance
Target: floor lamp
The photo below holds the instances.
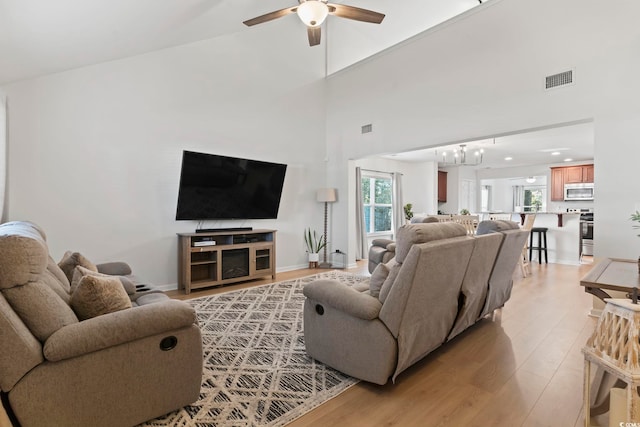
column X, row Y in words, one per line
column 326, row 195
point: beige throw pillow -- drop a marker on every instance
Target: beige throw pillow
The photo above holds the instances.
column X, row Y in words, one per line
column 98, row 295
column 79, row 272
column 378, row 277
column 70, row 260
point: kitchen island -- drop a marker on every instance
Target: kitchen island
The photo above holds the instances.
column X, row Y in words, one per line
column 563, row 236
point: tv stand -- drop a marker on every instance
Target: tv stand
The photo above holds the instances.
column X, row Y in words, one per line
column 216, row 230
column 216, row 258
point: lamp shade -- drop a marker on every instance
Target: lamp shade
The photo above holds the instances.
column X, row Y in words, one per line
column 312, row 12
column 326, row 195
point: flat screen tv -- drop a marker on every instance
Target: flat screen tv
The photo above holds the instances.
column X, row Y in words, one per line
column 220, row 187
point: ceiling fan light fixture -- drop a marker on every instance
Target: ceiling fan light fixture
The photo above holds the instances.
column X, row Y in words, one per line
column 312, row 12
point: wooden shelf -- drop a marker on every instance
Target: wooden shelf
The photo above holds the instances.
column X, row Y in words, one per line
column 236, row 256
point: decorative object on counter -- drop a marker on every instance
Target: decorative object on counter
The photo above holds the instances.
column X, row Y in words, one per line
column 408, row 213
column 326, row 196
column 314, row 244
column 465, row 212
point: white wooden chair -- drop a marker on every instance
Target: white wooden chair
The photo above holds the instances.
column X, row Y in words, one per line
column 524, row 258
column 470, row 222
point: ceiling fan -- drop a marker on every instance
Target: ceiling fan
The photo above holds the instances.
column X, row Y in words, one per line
column 313, row 14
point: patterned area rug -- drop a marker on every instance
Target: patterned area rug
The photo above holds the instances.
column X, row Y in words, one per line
column 256, row 370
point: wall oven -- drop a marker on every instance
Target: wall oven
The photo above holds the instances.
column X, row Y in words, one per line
column 578, row 191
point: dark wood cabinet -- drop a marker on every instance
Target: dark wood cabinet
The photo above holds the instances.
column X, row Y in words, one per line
column 442, row 186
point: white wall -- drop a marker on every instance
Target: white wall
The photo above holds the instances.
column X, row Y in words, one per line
column 94, row 153
column 483, row 76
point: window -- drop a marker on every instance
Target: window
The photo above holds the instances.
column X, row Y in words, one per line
column 486, row 202
column 534, row 199
column 378, row 208
column 529, row 198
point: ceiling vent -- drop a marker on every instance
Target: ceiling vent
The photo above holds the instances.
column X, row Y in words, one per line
column 367, row 128
column 560, row 79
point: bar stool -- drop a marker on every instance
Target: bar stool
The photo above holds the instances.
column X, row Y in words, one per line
column 542, row 243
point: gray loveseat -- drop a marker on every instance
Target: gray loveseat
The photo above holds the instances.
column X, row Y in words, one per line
column 440, row 282
column 103, row 354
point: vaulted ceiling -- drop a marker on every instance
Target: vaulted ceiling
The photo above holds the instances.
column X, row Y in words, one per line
column 39, row 37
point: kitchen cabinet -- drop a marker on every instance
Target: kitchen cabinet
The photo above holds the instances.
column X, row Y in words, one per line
column 587, row 173
column 573, row 174
column 442, row 186
column 557, row 184
column 568, row 175
column 578, row 174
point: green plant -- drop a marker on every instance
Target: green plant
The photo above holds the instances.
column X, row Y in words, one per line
column 408, row 213
column 313, row 242
column 464, row 212
column 635, row 217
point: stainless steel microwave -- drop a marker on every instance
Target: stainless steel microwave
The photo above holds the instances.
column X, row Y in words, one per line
column 578, row 191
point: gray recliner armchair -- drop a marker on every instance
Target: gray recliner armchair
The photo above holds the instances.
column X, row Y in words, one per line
column 383, row 250
column 62, row 363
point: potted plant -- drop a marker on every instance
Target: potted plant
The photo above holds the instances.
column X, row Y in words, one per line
column 408, row 213
column 635, row 217
column 464, row 212
column 314, row 243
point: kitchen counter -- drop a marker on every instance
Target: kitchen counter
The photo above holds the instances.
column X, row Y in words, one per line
column 560, row 215
column 563, row 236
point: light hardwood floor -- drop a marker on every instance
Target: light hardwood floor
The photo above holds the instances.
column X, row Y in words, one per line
column 522, row 367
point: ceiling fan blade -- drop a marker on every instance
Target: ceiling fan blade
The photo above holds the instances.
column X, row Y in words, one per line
column 355, row 13
column 270, row 16
column 314, row 35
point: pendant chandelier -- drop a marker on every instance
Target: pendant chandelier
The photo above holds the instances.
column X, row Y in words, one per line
column 461, row 156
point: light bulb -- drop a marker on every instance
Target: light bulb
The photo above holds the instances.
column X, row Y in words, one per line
column 313, row 12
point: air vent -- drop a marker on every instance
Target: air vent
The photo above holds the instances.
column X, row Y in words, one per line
column 367, row 128
column 559, row 79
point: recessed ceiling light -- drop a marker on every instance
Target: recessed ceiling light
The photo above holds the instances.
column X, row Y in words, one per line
column 508, row 158
column 568, row 159
column 555, row 153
